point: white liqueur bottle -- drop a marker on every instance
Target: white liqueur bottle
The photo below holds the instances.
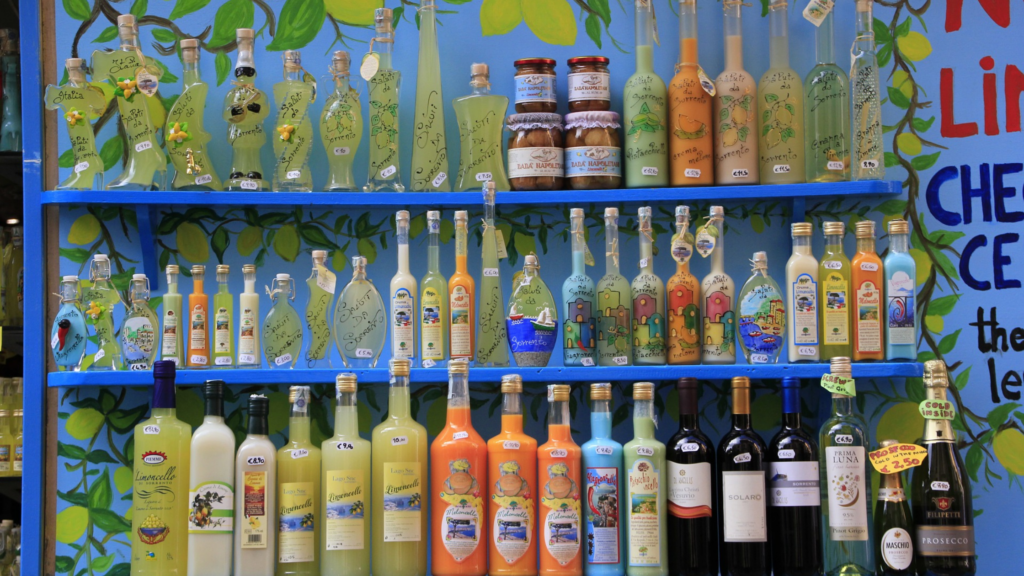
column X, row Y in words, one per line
column 403, row 296
column 211, row 489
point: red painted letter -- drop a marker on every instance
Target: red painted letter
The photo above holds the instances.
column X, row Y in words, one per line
column 997, row 10
column 1013, row 86
column 950, row 129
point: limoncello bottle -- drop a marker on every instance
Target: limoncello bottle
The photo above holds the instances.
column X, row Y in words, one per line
column 321, row 284
column 430, row 148
column 293, row 133
column 256, row 501
column 532, row 317
column 578, row 297
column 186, row 138
column 781, row 109
column 68, row 336
column 282, row 329
column 249, row 321
column 211, row 517
column 645, row 107
column 17, row 449
column 360, row 320
column 491, row 334
column 602, row 477
column 81, row 102
column 100, row 299
column 246, row 107
column 461, row 296
column 480, row 117
column 614, row 344
column 692, row 146
column 433, row 300
column 558, row 465
column 834, row 298
column 199, row 321
column 648, row 298
column 403, row 296
column 826, row 112
column 172, row 343
column 298, row 494
column 867, row 146
column 736, row 160
column 6, row 443
column 385, row 172
column 223, row 321
column 683, row 346
column 718, row 320
column 341, row 126
column 14, row 268
column 761, row 309
column 138, row 331
column 644, row 464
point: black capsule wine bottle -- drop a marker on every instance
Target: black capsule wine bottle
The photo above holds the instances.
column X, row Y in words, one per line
column 894, row 527
column 794, row 501
column 692, row 530
column 743, row 518
column 941, row 496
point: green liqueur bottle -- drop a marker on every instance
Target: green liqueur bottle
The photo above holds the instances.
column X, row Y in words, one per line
column 172, row 344
column 80, row 102
column 647, row 519
column 223, row 321
column 341, row 126
column 360, row 320
column 282, row 329
column 867, row 108
column 434, row 315
column 645, row 107
column 293, row 140
column 894, row 527
column 491, row 331
column 321, row 284
column 99, row 300
column 385, row 173
column 532, row 317
column 826, row 112
column 186, row 138
column 430, row 149
column 246, row 107
column 138, row 331
column 648, row 299
column 480, row 116
column 614, row 345
column 781, row 108
column 298, row 493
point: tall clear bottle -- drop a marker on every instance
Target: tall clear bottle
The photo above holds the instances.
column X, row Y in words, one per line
column 717, row 290
column 249, row 321
column 614, row 341
column 761, row 310
column 14, row 268
column 172, row 343
column 10, row 130
column 360, row 320
column 802, row 297
column 692, row 146
column 100, row 300
column 558, row 467
column 645, row 108
column 826, row 112
column 434, row 300
column 648, row 300
column 80, row 103
column 867, row 147
column 834, row 298
column 683, row 339
column 246, row 107
column 298, row 494
column 403, row 296
column 68, row 335
column 491, row 332
column 138, row 330
column 341, row 126
column 780, row 108
column 293, row 133
column 894, row 527
column 430, row 148
column 256, row 504
column 578, row 297
column 223, row 321
column 900, row 285
column 211, row 517
column 385, row 172
column 461, row 296
column 282, row 329
column 736, row 160
column 480, row 116
column 644, row 465
column 321, row 284
column 186, row 138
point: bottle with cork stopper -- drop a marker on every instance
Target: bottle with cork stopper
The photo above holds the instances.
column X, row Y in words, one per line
column 360, row 325
column 186, row 138
column 139, row 328
column 341, row 126
column 321, row 285
column 79, row 104
column 868, row 146
column 761, row 311
column 246, row 107
column 293, row 130
column 532, row 317
column 430, row 149
column 384, row 83
column 479, row 116
column 579, row 300
column 780, row 107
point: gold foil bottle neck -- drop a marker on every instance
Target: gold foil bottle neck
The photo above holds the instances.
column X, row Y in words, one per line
column 741, row 395
column 512, row 384
column 601, row 391
column 643, row 391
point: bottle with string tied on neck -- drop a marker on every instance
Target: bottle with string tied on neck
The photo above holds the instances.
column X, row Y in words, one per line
column 293, row 133
column 480, row 116
column 761, row 311
column 341, row 126
column 186, row 138
column 246, row 107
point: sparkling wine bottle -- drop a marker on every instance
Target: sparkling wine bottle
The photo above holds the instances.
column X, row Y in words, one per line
column 894, row 527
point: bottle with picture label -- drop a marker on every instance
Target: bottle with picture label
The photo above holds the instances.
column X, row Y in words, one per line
column 246, row 107
column 199, row 321
column 256, row 499
column 282, row 329
column 614, row 342
column 645, row 108
column 532, row 316
column 430, row 149
column 80, row 103
column 605, row 552
column 867, row 277
column 360, row 320
column 868, row 146
column 648, row 301
column 138, row 331
column 321, row 284
column 298, row 494
column 717, row 291
column 99, row 302
column 780, row 106
column 403, row 296
column 462, row 296
column 900, row 284
column 834, row 295
column 186, row 138
column 6, row 444
column 826, row 112
column 480, row 116
column 894, row 526
column 692, row 145
column 293, row 130
column 68, row 335
column 18, row 446
column 341, row 126
column 761, row 310
column 736, row 160
column 683, row 297
column 383, row 85
column 802, row 297
column 211, row 515
column 223, row 321
column 491, row 331
column 433, row 300
column 578, row 297
column 644, row 466
column 249, row 321
column 172, row 335
column 558, row 468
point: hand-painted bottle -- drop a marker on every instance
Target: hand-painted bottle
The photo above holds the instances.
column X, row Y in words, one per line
column 717, row 290
column 761, row 311
column 736, row 136
column 480, row 116
column 900, row 284
column 648, row 301
column 430, row 147
column 246, row 107
column 532, row 317
column 492, row 334
column 100, row 300
column 691, row 146
column 293, row 132
column 579, row 299
column 645, row 109
column 614, row 309
column 683, row 297
column 68, row 336
column 780, row 109
column 139, row 329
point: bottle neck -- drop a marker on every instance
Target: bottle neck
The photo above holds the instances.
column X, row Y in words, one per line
column 866, row 245
column 579, row 245
column 342, row 84
column 601, row 419
column 864, row 25
column 898, row 243
column 834, row 244
column 733, row 37
column 292, row 73
column 197, row 285
column 461, row 247
column 250, row 284
column 842, row 405
column 643, row 419
column 172, row 283
column 512, row 413
column 741, row 408
column 938, row 430
column 791, row 420
column 558, row 414
column 298, row 428
column 398, row 397
column 222, row 287
column 403, row 247
column 802, row 245
column 646, row 249
column 69, row 292
column 190, row 72
column 890, row 483
column 346, row 416
column 718, row 254
column 458, row 391
column 644, row 23
column 688, row 414
column 434, row 254
column 258, row 425
column 791, row 408
column 129, row 42
column 480, row 88
column 214, row 406
column 688, row 32
column 779, row 46
column 824, row 44
column 611, row 245
column 383, row 46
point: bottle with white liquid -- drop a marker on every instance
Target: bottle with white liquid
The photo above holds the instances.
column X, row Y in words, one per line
column 802, row 297
column 211, row 489
column 255, row 507
column 403, row 296
column 249, row 321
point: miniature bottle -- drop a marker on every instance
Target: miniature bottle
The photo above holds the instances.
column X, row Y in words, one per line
column 403, row 296
column 614, row 345
column 691, row 110
column 866, row 279
column 138, row 331
column 186, row 138
column 10, row 131
column 341, row 126
column 246, row 107
column 900, row 279
column 683, row 297
column 532, row 317
column 256, row 505
column 558, row 465
column 491, row 333
column 134, row 82
column 248, row 321
column 298, row 493
column 172, row 336
column 430, row 149
column 211, row 520
column 602, row 474
column 282, row 329
column 293, row 132
column 717, row 290
column 100, row 300
column 223, row 321
column 433, row 300
column 68, row 336
column 826, row 112
column 360, row 320
column 761, row 310
column 802, row 297
column 199, row 321
column 644, row 465
column 321, row 284
column 834, row 295
column 645, row 102
column 80, row 102
column 385, row 173
column 736, row 160
column 894, row 525
column 781, row 109
column 648, row 300
column 461, row 297
column 578, row 297
column 480, row 116
column 867, row 146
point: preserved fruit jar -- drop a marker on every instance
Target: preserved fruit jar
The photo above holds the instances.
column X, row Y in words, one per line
column 535, row 152
column 589, row 84
column 536, row 85
column 593, row 153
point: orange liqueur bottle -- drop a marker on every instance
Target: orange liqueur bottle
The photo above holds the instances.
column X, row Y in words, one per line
column 558, row 467
column 867, row 277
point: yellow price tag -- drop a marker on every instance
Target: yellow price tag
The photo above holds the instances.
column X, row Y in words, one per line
column 897, row 458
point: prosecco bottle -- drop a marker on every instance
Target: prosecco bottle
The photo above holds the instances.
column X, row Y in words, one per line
column 894, row 527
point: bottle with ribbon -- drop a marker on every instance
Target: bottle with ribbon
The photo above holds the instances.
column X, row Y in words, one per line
column 80, row 102
column 341, row 126
column 293, row 138
column 245, row 109
column 761, row 310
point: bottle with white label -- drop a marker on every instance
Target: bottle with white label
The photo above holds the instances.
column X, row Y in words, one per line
column 138, row 331
column 298, row 494
column 256, row 504
column 845, row 484
column 199, row 321
column 717, row 290
column 430, row 148
column 341, row 126
column 360, row 320
column 480, row 116
column 602, row 473
column 491, row 333
column 900, row 284
column 223, row 321
column 383, row 83
column 293, row 130
column 894, row 527
column 172, row 334
column 249, row 320
column 560, row 518
column 246, row 107
column 321, row 284
column 211, row 515
column 794, row 504
column 578, row 299
column 282, row 329
column 462, row 296
column 644, row 466
column 403, row 296
column 434, row 300
column 648, row 298
column 614, row 307
column 742, row 497
column 802, row 297
column 761, row 310
column 834, row 297
column 345, row 509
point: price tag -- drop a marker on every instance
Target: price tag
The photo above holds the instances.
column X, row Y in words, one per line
column 940, row 485
column 741, row 458
column 293, row 174
column 326, row 279
column 99, row 355
column 249, row 185
column 399, row 440
column 428, row 363
column 816, row 11
column 620, row 360
column 345, row 446
column 869, row 266
column 806, row 350
column 604, row 450
column 342, row 150
column 643, row 262
column 559, row 453
column 439, row 179
column 460, row 435
column 255, row 460
column 198, row 360
column 368, row 68
column 364, row 353
column 500, row 240
column 649, row 170
column 281, row 360
column 758, row 358
column 222, row 361
column 204, row 179
column 869, row 164
column 246, row 358
column 845, row 439
column 493, row 272
column 781, row 169
column 897, row 458
column 740, row 173
column 689, row 447
column 81, row 166
column 839, row 385
column 787, row 454
column 682, row 247
column 138, row 367
column 587, row 361
column 691, row 173
column 937, row 410
column 388, row 171
column 54, row 342
column 510, row 445
column 833, row 265
column 151, row 429
column 142, row 146
column 483, row 177
column 644, row 451
column 835, row 166
column 300, row 453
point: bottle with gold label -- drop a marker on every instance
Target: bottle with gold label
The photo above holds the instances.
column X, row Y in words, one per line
column 433, row 300
column 256, row 496
column 867, row 278
column 647, row 519
column 199, row 321
column 298, row 494
column 834, row 297
column 683, row 290
column 341, row 126
column 461, row 297
column 558, row 466
column 780, row 106
column 894, row 526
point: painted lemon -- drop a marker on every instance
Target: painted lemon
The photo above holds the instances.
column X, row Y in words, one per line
column 739, row 115
column 84, row 230
column 730, row 137
column 901, row 422
column 1009, row 448
column 923, row 264
column 772, row 138
column 355, row 12
column 191, row 242
column 84, row 423
column 784, row 117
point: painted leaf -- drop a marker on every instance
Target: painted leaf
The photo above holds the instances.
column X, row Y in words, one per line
column 71, row 524
column 998, row 416
column 77, row 9
column 299, row 22
column 757, row 223
column 84, row 230
column 223, row 66
column 109, row 521
column 102, row 563
column 593, row 27
column 367, row 249
column 63, row 564
column 881, row 30
column 447, row 231
column 891, row 159
column 766, row 412
column 339, row 260
column 191, row 242
column 944, row 305
column 909, row 143
column 84, row 423
column 185, row 7
column 552, row 21
column 354, row 12
column 108, row 34
column 220, row 242
column 76, row 255
column 603, row 10
column 922, row 125
column 500, row 16
column 902, row 422
column 524, row 243
column 925, row 162
column 437, row 415
column 232, row 15
column 66, row 159
column 100, row 494
column 161, row 35
column 884, row 54
column 914, row 46
column 286, row 243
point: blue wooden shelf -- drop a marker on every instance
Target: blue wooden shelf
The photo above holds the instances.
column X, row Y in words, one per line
column 546, row 375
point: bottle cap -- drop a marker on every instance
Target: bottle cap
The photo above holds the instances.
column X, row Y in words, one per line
column 223, row 269
column 682, row 212
column 840, row 366
column 163, row 384
column 601, row 391
column 382, row 20
column 96, row 258
column 512, row 383
column 740, row 382
column 198, row 269
column 283, row 277
column 138, row 277
column 297, row 394
column 213, row 389
column 248, row 269
column 834, row 228
column 489, row 189
column 400, row 366
column 790, row 382
column 461, row 216
column 802, row 229
column 187, row 43
column 69, row 278
column 611, row 212
column 865, row 229
column 760, row 257
column 460, row 366
column 402, row 215
column 899, row 226
column 345, row 382
column 259, row 405
column 643, row 391
column 558, row 392
column 718, row 211
column 76, row 63
column 433, row 215
column 173, row 269
column 643, row 212
column 531, row 260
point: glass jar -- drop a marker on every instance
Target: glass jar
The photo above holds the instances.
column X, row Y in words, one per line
column 589, row 84
column 593, row 152
column 535, row 152
column 535, row 85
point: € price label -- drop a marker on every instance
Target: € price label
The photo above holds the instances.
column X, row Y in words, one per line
column 839, row 385
column 897, row 458
column 937, row 410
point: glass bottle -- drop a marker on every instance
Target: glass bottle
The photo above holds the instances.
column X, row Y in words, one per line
column 199, row 321
column 761, row 309
column 461, row 297
column 403, row 296
column 645, row 106
column 80, row 103
column 736, row 160
column 647, row 521
column 385, row 173
column 846, row 487
column 648, row 301
column 138, row 330
column 68, row 336
column 578, row 296
column 614, row 345
column 360, row 320
column 826, row 112
column 246, row 107
column 867, row 278
column 894, row 526
column 834, row 298
column 321, row 284
column 430, row 149
column 781, row 109
column 100, row 300
column 10, row 131
column 341, row 126
column 256, row 480
column 433, row 301
column 491, row 333
column 172, row 343
column 18, row 448
column 211, row 520
column 683, row 297
column 14, row 268
column 802, row 297
column 602, row 471
column 480, row 116
column 558, row 465
column 532, row 317
column 867, row 108
column 718, row 320
column 223, row 321
column 689, row 95
column 249, row 321
column 298, row 493
column 6, row 442
column 127, row 71
column 184, row 132
column 900, row 280
column 282, row 329
column 293, row 137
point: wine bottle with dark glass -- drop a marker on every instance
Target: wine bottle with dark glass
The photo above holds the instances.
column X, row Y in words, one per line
column 743, row 519
column 794, row 511
column 894, row 527
column 941, row 494
column 692, row 530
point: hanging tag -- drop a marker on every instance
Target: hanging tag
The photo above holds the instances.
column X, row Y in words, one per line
column 371, row 63
column 682, row 247
column 706, row 82
column 325, row 279
column 897, row 458
column 706, row 237
column 839, row 385
column 588, row 257
column 146, row 81
column 817, row 10
column 309, row 79
column 500, row 239
column 937, row 410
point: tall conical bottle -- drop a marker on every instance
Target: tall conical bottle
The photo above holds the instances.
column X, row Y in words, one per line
column 68, row 336
column 80, row 103
column 602, row 471
column 614, row 342
column 647, row 520
column 211, row 517
column 385, row 172
column 894, row 527
column 761, row 310
column 579, row 299
column 256, row 501
column 691, row 146
column 645, row 102
column 780, row 109
column 282, row 329
column 826, row 112
column 298, row 493
column 648, row 300
column 717, row 290
column 491, row 332
column 683, row 339
column 868, row 147
column 100, row 300
column 186, row 138
column 558, row 466
column 139, row 329
column 736, row 160
column 360, row 320
column 403, row 296
column 341, row 126
column 246, row 107
column 430, row 148
column 321, row 284
column 532, row 317
column 434, row 315
column 293, row 132
column 480, row 116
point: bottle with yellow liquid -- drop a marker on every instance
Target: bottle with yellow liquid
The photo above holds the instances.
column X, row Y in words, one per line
column 461, row 297
column 827, row 112
column 298, row 494
column 433, row 300
column 691, row 146
column 834, row 299
column 6, row 443
column 558, row 466
column 781, row 109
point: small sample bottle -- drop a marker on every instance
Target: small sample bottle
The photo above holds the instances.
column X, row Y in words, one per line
column 781, row 109
column 900, row 287
column 68, row 335
column 256, row 482
column 614, row 309
column 644, row 465
column 298, row 494
column 246, row 107
column 802, row 297
column 761, row 310
column 648, row 300
column 223, row 321
column 692, row 146
column 172, row 337
column 138, row 331
column 430, row 148
column 385, row 172
column 282, row 329
column 867, row 278
column 186, row 138
column 480, row 124
column 293, row 132
column 558, row 466
column 834, row 295
column 578, row 297
column 249, row 321
column 211, row 520
column 718, row 319
column 462, row 297
column 433, row 300
column 321, row 284
column 403, row 296
column 341, row 126
column 360, row 325
column 199, row 321
column 683, row 297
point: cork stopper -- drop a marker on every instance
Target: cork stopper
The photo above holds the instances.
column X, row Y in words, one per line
column 558, row 393
column 320, row 255
column 460, row 366
column 345, row 382
column 341, row 62
column 601, row 391
column 489, row 190
column 840, row 366
column 292, row 60
column 400, row 366
column 433, row 215
column 359, row 262
column 802, row 229
column 576, row 213
column 190, row 50
column 864, row 229
column 382, row 20
column 611, row 212
column 244, row 33
column 461, row 216
column 402, row 215
column 899, row 226
column 643, row 391
column 834, row 227
column 531, row 261
column 512, row 384
column 935, row 375
column 189, row 43
column 761, row 258
column 717, row 212
column 126, row 21
column 682, row 214
column 76, row 71
column 477, row 69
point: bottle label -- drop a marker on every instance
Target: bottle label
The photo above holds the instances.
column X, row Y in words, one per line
column 514, row 519
column 794, row 484
column 403, row 501
column 762, row 321
column 743, row 506
column 296, row 517
column 897, row 549
column 157, row 475
column 892, row 495
column 536, row 88
column 837, row 313
column 644, row 515
column 869, row 325
column 197, row 336
column 403, row 343
column 847, row 493
column 603, row 522
column 593, row 161
column 213, row 509
column 432, row 326
column 254, row 508
column 561, row 499
column 900, row 298
column 945, row 541
column 169, row 344
column 247, row 336
column 805, row 310
column 544, row 162
column 689, row 489
column 138, row 338
column 5, row 458
column 344, row 496
column 222, row 331
column 18, row 457
column 589, row 86
column 461, row 331
column 463, row 512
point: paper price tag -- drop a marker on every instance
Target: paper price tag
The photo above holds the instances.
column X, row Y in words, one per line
column 249, row 185
column 197, row 360
column 869, row 164
column 644, row 451
column 151, row 429
column 439, row 179
column 246, row 358
column 937, row 410
column 740, row 173
column 605, row 450
column 81, row 166
column 705, row 82
column 559, row 453
column 281, row 360
column 587, row 361
column 428, row 363
column 758, row 358
column 99, row 355
column 222, row 361
column 781, row 169
column 689, row 447
column 839, row 385
column 54, row 342
column 643, row 262
column 300, row 453
column 649, row 170
column 492, row 272
column 833, row 265
column 787, row 454
column 345, row 446
column 835, row 166
column 816, row 11
column 325, row 279
column 204, row 179
column 620, row 360
column 940, row 485
column 364, row 353
column 741, row 458
column 691, row 173
column 460, row 435
column 368, row 68
column 500, row 240
column 510, row 445
column 897, row 458
column 142, row 146
column 293, row 174
column 869, row 266
column 484, row 177
column 399, row 440
column 342, row 151
column 388, row 171
column 588, row 256
column 147, row 82
column 806, row 350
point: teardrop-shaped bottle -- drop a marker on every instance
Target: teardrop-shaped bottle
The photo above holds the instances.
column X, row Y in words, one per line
column 491, row 332
column 245, row 109
column 532, row 317
column 827, row 116
column 385, row 172
column 341, row 126
column 293, row 137
column 282, row 328
column 614, row 345
column 80, row 102
column 360, row 320
column 186, row 138
column 430, row 148
column 138, row 331
column 68, row 336
column 321, row 284
column 647, row 295
column 761, row 310
column 100, row 300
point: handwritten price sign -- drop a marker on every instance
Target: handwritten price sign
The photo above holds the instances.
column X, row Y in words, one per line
column 839, row 385
column 897, row 458
column 937, row 410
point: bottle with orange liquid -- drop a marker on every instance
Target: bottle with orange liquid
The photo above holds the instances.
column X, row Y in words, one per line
column 867, row 276
column 691, row 146
column 558, row 468
column 461, row 296
column 512, row 464
column 458, row 457
column 683, row 297
column 198, row 315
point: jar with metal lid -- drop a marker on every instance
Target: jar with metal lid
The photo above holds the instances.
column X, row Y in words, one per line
column 589, row 84
column 536, row 88
column 593, row 150
column 535, row 151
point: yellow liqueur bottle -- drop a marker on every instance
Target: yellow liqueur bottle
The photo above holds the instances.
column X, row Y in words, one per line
column 298, row 494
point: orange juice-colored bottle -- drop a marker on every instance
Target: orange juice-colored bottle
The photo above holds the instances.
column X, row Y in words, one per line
column 867, row 277
column 461, row 296
column 458, row 459
column 683, row 297
column 199, row 321
column 558, row 468
column 512, row 485
column 691, row 145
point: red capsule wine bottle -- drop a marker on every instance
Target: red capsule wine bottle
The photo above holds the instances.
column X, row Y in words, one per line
column 894, row 527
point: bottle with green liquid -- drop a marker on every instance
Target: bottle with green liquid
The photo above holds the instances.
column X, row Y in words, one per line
column 826, row 112
column 360, row 320
column 645, row 106
column 223, row 321
column 781, row 109
column 578, row 297
column 434, row 316
column 249, row 320
column 648, row 298
column 480, row 117
column 293, row 134
column 834, row 301
column 736, row 158
column 321, row 284
column 647, row 515
column 491, row 332
column 80, row 102
column 99, row 300
column 138, row 331
column 186, row 138
column 341, row 126
column 867, row 108
column 298, row 493
column 614, row 308
column 172, row 343
column 430, row 149
column 282, row 329
column 385, row 172
column 246, row 107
